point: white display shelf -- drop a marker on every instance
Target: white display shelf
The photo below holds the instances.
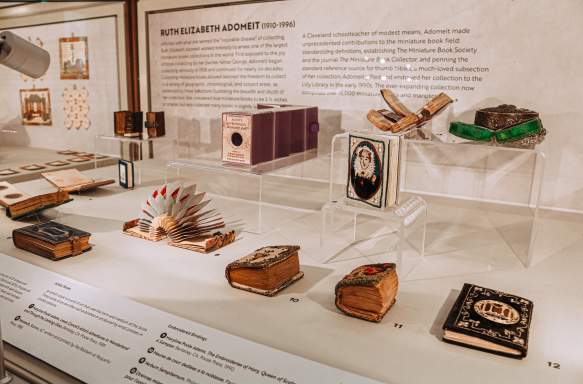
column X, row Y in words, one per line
column 193, row 286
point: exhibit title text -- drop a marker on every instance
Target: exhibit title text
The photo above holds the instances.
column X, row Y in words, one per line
column 191, row 30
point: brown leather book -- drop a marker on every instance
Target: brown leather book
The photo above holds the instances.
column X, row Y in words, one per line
column 155, row 124
column 52, row 240
column 368, row 292
column 266, row 271
column 128, row 123
column 19, row 204
column 72, row 180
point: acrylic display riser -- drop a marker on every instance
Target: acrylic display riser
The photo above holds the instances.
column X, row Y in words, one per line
column 257, row 193
column 487, row 192
column 132, row 149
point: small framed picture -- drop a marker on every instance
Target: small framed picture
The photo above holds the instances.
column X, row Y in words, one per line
column 74, row 58
column 35, row 106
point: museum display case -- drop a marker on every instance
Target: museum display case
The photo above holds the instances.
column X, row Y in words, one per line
column 202, row 191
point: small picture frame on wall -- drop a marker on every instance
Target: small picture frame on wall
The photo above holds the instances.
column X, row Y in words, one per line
column 35, row 106
column 74, row 58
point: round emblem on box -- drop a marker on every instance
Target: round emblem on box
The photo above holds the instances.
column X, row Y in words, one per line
column 497, row 312
column 236, row 139
column 365, row 174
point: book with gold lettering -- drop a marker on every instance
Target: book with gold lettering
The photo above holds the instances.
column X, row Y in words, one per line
column 490, row 321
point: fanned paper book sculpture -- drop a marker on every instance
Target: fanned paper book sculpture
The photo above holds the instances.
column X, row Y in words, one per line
column 177, row 212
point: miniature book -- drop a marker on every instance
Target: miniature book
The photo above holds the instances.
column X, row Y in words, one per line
column 128, row 124
column 176, row 212
column 266, row 271
column 126, row 173
column 405, row 118
column 155, row 124
column 373, row 170
column 248, row 137
column 368, row 292
column 52, row 240
column 19, row 204
column 490, row 321
column 304, row 125
column 72, row 180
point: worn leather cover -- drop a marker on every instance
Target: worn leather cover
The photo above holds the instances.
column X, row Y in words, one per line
column 493, row 316
column 264, row 258
column 53, row 233
column 368, row 275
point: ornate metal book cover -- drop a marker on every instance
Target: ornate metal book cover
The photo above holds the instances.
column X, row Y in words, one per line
column 490, row 320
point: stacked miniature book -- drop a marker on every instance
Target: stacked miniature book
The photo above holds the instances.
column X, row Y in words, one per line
column 266, row 271
column 368, row 292
column 489, row 320
column 52, row 240
column 19, row 204
column 72, row 180
column 177, row 213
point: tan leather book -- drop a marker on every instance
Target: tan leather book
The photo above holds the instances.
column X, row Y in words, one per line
column 19, row 204
column 266, row 271
column 368, row 292
column 72, row 180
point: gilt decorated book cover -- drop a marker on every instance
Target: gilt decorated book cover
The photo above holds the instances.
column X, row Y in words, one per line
column 490, row 320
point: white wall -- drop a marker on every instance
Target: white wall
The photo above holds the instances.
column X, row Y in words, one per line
column 103, row 26
column 531, row 48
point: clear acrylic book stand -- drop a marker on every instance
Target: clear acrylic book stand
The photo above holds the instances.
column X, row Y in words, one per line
column 394, row 234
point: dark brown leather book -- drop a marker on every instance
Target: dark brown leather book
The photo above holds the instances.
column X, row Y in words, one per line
column 368, row 292
column 490, row 321
column 155, row 124
column 52, row 240
column 128, row 123
column 19, row 204
column 266, row 271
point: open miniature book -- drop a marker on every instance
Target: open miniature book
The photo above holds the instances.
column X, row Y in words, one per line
column 19, row 204
column 72, row 180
